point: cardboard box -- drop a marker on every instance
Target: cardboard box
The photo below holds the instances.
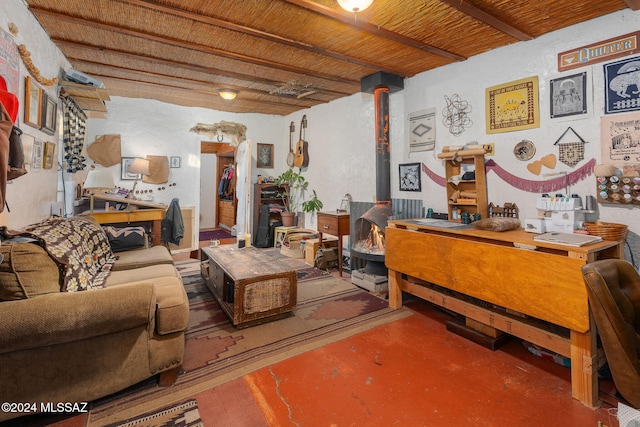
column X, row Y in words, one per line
column 311, row 247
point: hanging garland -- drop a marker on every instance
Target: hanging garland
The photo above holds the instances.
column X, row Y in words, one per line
column 26, row 58
column 527, row 184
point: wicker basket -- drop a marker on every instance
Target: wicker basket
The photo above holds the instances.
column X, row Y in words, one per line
column 607, row 230
column 292, row 242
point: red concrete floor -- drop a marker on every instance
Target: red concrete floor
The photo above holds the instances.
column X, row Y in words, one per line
column 411, row 372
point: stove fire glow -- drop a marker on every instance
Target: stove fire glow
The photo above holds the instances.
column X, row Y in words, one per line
column 373, row 244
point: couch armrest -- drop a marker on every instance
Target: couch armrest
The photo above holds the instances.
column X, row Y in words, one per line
column 72, row 316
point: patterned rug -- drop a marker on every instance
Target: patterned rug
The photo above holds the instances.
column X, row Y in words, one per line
column 328, row 309
column 214, row 234
column 183, row 414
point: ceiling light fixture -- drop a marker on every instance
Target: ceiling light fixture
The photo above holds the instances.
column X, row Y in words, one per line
column 228, row 94
column 355, row 5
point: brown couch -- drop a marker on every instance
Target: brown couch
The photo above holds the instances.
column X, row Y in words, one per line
column 64, row 346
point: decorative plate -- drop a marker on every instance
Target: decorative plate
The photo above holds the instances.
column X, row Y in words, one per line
column 524, row 150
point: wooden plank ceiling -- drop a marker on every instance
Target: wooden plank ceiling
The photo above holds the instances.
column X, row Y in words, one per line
column 285, row 55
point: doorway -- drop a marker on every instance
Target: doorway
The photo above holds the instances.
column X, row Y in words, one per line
column 216, row 210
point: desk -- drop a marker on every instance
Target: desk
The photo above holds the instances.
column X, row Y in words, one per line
column 543, row 284
column 336, row 224
column 154, row 215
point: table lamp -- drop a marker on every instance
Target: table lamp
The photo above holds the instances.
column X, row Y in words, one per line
column 139, row 166
column 98, row 180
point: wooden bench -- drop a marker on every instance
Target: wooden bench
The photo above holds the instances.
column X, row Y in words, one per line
column 250, row 286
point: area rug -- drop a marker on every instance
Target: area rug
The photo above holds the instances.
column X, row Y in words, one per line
column 183, row 414
column 217, row 234
column 328, row 309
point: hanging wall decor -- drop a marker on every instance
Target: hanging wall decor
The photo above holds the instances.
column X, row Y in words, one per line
column 513, row 106
column 569, row 96
column 620, row 139
column 410, row 177
column 455, row 115
column 422, row 130
column 264, row 155
column 622, row 93
column 570, row 153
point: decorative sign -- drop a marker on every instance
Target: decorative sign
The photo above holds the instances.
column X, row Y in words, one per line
column 513, row 106
column 599, row 52
column 623, row 85
column 568, row 95
column 9, row 62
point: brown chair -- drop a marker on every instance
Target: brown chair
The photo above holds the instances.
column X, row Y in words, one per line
column 613, row 287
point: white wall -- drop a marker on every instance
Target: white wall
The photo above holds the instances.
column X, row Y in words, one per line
column 30, row 196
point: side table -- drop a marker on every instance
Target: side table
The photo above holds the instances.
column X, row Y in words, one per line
column 335, row 224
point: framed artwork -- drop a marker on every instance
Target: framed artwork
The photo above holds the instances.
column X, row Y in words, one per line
column 621, row 92
column 48, row 114
column 265, row 156
column 620, row 140
column 37, row 155
column 175, row 161
column 513, row 106
column 32, row 103
column 568, row 96
column 125, row 175
column 410, row 177
column 49, row 152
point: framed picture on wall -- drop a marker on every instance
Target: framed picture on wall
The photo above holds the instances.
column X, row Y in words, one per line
column 49, row 151
column 32, row 103
column 265, row 155
column 48, row 114
column 410, row 177
column 174, row 161
column 124, row 169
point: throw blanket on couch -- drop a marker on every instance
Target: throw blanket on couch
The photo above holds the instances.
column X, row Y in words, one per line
column 78, row 245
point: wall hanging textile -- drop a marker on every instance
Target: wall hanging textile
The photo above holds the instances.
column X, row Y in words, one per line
column 105, row 150
column 530, row 186
column 74, row 128
column 570, row 153
column 235, row 132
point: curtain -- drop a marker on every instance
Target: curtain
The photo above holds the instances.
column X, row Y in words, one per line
column 74, row 135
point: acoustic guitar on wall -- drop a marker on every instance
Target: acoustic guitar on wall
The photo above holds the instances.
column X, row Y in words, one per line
column 301, row 157
column 291, row 156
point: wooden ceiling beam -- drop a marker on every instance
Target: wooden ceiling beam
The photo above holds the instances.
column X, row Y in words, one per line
column 209, row 20
column 488, row 19
column 633, row 4
column 374, row 29
column 192, row 46
column 191, row 67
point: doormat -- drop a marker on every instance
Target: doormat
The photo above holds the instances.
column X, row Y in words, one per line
column 183, row 414
column 217, row 234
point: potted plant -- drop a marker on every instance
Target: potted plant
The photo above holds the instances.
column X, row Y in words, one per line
column 293, row 196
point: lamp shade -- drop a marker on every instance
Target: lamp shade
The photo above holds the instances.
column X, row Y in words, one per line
column 228, row 94
column 139, row 166
column 99, row 180
column 355, row 5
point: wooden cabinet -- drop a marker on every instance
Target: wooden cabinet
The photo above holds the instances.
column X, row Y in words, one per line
column 266, row 194
column 466, row 195
column 226, row 199
column 226, row 212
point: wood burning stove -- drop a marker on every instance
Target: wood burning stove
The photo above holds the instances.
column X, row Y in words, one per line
column 370, row 227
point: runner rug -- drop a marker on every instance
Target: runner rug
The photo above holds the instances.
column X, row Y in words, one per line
column 218, row 234
column 328, row 309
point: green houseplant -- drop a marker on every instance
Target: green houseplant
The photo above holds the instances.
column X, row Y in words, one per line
column 293, row 197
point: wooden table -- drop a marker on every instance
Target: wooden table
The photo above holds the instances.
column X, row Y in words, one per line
column 544, row 286
column 250, row 286
column 154, row 215
column 335, row 224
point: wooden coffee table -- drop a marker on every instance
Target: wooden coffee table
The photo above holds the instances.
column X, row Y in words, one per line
column 250, row 286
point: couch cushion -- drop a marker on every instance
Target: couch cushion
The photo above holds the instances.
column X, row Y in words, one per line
column 155, row 255
column 120, row 277
column 125, row 238
column 27, row 271
column 78, row 245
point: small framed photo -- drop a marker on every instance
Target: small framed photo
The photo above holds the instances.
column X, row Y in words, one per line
column 175, row 161
column 49, row 152
column 48, row 114
column 37, row 155
column 125, row 175
column 32, row 103
column 410, row 179
column 265, row 156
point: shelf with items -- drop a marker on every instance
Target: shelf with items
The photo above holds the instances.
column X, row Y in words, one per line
column 619, row 190
column 466, row 183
